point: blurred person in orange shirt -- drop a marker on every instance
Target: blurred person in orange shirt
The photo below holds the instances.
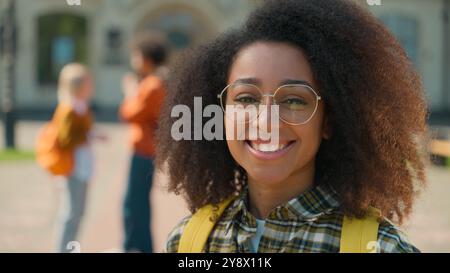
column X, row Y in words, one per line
column 64, row 147
column 144, row 92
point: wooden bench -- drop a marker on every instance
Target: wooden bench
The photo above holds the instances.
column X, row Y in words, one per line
column 440, row 148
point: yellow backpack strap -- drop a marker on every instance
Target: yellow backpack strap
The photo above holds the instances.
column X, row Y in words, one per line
column 360, row 235
column 199, row 227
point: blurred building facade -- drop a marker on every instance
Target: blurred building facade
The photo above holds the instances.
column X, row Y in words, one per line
column 52, row 33
column 423, row 27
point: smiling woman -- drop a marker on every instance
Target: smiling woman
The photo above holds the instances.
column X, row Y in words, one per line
column 352, row 118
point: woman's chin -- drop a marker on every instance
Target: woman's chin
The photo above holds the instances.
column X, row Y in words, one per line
column 267, row 176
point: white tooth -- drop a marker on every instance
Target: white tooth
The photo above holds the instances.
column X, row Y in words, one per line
column 267, row 147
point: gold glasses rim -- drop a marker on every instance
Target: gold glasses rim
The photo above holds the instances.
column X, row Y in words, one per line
column 318, row 98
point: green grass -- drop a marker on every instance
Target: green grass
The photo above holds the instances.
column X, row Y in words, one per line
column 10, row 155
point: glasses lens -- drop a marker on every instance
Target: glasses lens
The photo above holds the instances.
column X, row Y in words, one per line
column 297, row 103
column 240, row 102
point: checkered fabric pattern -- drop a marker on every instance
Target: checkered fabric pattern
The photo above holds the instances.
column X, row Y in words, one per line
column 311, row 222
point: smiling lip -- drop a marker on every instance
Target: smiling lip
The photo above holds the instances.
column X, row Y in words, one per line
column 268, row 153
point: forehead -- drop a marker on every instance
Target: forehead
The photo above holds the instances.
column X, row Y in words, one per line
column 271, row 63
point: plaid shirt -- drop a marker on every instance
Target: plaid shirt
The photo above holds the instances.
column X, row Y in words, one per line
column 310, row 222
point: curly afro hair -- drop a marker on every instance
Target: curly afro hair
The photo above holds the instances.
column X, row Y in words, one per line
column 373, row 96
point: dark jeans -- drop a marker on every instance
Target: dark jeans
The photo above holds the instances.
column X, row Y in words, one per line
column 136, row 207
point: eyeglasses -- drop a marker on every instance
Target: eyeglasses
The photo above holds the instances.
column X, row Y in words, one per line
column 297, row 102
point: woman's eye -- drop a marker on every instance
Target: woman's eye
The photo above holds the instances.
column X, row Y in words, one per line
column 295, row 103
column 246, row 99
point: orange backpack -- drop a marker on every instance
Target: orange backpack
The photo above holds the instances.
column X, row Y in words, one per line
column 49, row 154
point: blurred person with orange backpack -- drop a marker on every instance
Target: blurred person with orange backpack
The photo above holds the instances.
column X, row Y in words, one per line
column 63, row 147
column 144, row 92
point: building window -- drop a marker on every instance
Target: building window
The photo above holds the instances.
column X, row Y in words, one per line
column 182, row 26
column 406, row 30
column 113, row 49
column 178, row 26
column 61, row 40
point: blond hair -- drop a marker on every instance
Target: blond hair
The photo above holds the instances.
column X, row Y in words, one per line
column 71, row 78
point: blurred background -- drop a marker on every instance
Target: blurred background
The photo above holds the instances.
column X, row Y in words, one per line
column 39, row 37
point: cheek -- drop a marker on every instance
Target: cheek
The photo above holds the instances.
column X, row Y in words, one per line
column 310, row 135
column 91, row 88
column 87, row 91
column 231, row 129
column 229, row 132
column 235, row 146
column 136, row 61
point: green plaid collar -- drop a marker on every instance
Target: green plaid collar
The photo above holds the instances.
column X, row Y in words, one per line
column 310, row 205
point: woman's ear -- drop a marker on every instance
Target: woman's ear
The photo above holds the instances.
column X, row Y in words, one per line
column 326, row 128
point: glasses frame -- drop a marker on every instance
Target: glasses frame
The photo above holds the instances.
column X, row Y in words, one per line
column 318, row 98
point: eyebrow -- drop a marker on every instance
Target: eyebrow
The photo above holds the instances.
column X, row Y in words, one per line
column 292, row 81
column 254, row 81
column 257, row 81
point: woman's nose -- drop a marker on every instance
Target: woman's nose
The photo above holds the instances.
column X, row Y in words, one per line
column 268, row 116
